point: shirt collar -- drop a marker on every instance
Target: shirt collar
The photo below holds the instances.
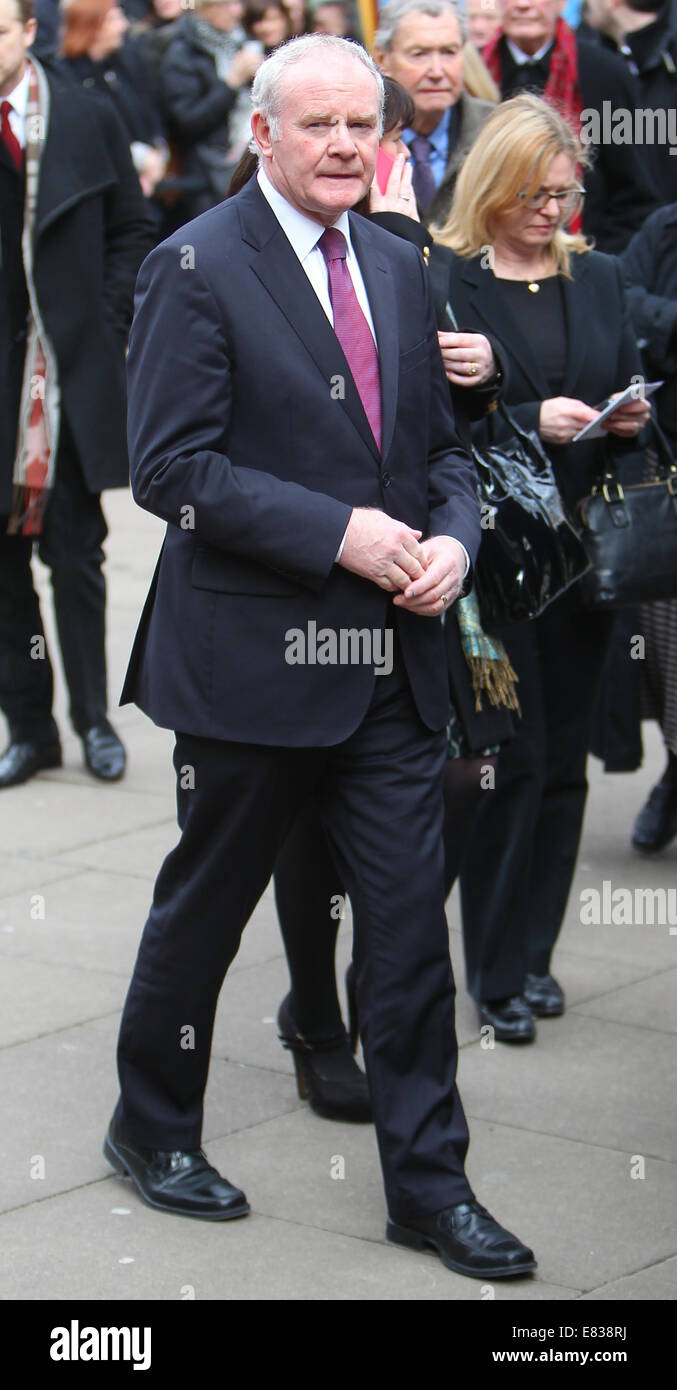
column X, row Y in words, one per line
column 18, row 98
column 521, row 58
column 439, row 137
column 301, row 231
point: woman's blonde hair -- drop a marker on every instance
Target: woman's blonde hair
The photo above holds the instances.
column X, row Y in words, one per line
column 508, row 161
column 477, row 79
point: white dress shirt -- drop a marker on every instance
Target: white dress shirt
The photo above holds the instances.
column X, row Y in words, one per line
column 521, row 57
column 18, row 100
column 304, row 234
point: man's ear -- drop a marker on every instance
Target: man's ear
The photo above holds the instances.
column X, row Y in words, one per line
column 261, row 133
column 30, row 31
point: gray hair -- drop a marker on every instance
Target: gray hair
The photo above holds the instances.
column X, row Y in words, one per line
column 265, row 93
column 392, row 14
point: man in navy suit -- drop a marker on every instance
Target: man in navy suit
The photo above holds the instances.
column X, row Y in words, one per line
column 289, row 419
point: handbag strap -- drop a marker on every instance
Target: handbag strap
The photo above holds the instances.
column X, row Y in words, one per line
column 667, row 465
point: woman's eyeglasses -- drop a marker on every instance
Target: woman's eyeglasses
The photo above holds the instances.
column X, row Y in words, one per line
column 569, row 200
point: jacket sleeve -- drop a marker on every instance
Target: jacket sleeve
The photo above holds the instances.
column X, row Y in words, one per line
column 129, row 230
column 195, row 108
column 654, row 315
column 179, row 369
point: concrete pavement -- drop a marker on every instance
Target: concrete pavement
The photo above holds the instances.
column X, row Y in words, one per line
column 574, row 1142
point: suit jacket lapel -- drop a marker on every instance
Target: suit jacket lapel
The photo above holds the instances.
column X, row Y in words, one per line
column 278, row 268
column 576, row 311
column 489, row 307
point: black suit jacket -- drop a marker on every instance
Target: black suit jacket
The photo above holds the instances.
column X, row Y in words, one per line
column 242, row 407
column 602, row 353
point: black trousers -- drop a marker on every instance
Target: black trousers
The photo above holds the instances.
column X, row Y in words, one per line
column 380, row 799
column 517, row 873
column 71, row 545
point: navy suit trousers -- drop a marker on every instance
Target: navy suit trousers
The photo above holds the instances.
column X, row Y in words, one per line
column 380, row 799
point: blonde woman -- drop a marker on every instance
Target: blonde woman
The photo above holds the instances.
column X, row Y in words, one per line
column 558, row 308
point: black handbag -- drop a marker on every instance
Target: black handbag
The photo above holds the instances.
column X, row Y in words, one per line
column 530, row 551
column 630, row 534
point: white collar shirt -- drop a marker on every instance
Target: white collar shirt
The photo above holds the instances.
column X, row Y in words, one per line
column 18, row 100
column 303, row 235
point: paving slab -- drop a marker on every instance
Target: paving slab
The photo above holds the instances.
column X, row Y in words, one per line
column 561, row 1197
column 40, row 998
column 95, row 812
column 648, row 1004
column 68, row 1087
column 96, row 1238
column 656, row 1283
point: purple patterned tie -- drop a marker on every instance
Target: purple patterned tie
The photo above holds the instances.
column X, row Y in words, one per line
column 352, row 329
column 423, row 179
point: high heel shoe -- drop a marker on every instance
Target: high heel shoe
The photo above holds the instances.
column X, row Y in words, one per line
column 327, row 1075
column 351, row 999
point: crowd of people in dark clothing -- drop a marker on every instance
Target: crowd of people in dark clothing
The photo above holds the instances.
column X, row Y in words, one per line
column 149, row 111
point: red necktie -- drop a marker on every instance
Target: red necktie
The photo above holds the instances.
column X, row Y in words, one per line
column 352, row 329
column 8, row 137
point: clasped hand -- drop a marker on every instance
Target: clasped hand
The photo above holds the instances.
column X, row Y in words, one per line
column 425, row 576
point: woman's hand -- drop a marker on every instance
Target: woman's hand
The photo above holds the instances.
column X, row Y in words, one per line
column 629, row 419
column 153, row 170
column 562, row 417
column 399, row 195
column 467, row 357
column 244, row 67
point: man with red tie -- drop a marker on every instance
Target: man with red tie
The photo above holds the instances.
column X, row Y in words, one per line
column 74, row 230
column 289, row 419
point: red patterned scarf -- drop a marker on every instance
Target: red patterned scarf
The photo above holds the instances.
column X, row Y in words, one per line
column 38, row 429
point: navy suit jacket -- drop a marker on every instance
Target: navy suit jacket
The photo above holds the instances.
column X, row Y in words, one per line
column 248, row 436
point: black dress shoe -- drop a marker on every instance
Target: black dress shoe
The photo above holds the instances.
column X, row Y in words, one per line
column 327, row 1074
column 656, row 824
column 511, row 1019
column 468, row 1240
column 22, row 760
column 179, row 1182
column 104, row 753
column 544, row 996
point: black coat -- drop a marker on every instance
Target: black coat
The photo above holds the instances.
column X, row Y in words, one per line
column 197, row 104
column 123, row 78
column 651, row 54
column 92, row 232
column 650, row 269
column 619, row 191
column 602, row 353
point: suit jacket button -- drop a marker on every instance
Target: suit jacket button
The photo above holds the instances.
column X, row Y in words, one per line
column 385, row 479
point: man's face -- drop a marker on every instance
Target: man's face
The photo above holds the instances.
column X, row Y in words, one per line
column 222, row 14
column 531, row 23
column 330, row 19
column 483, row 21
column 15, row 39
column 598, row 14
column 426, row 57
column 324, row 159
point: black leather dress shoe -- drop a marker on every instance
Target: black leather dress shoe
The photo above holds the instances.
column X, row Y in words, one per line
column 327, row 1074
column 22, row 760
column 511, row 1019
column 179, row 1182
column 656, row 824
column 467, row 1240
column 104, row 753
column 544, row 996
